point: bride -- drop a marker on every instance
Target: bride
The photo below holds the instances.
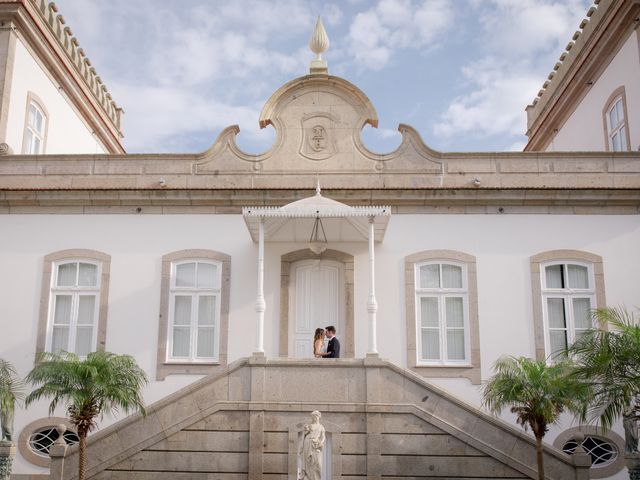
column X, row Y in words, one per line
column 318, row 343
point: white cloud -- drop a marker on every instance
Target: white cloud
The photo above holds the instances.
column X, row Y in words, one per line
column 495, row 104
column 180, row 70
column 183, row 71
column 375, row 34
column 162, row 113
column 519, row 54
column 516, row 146
column 526, row 27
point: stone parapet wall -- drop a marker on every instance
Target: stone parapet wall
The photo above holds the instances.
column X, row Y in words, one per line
column 381, row 421
column 569, row 183
column 459, row 171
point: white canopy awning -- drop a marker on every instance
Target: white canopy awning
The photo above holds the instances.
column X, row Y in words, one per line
column 294, row 221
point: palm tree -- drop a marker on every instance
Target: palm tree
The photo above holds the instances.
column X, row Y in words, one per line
column 537, row 393
column 103, row 382
column 609, row 360
column 11, row 391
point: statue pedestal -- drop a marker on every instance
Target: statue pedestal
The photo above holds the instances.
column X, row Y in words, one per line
column 633, row 464
column 7, row 454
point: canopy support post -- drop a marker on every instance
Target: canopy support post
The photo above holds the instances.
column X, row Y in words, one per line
column 260, row 303
column 372, row 303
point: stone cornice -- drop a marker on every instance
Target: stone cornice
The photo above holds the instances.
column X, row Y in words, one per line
column 462, row 183
column 425, row 201
column 586, row 57
column 43, row 31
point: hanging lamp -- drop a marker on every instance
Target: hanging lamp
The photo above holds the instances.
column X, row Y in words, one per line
column 317, row 243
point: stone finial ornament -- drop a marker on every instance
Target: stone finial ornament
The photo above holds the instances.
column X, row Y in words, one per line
column 61, row 429
column 319, row 43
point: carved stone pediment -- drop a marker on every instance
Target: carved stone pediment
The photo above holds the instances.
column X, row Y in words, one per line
column 318, row 121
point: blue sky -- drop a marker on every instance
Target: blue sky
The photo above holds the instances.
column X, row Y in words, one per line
column 460, row 71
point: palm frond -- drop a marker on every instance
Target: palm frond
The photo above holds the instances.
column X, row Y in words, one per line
column 609, row 360
column 536, row 393
column 103, row 382
column 12, row 388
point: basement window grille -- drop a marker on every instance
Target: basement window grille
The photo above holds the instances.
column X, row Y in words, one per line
column 601, row 451
column 40, row 441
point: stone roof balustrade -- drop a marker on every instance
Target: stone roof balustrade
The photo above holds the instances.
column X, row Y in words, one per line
column 66, row 40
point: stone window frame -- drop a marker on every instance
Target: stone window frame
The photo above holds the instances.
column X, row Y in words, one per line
column 165, row 367
column 45, row 298
column 610, row 436
column 471, row 371
column 347, row 339
column 618, row 94
column 34, row 99
column 23, row 440
column 560, row 256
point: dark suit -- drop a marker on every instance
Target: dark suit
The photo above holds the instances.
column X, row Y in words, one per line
column 333, row 348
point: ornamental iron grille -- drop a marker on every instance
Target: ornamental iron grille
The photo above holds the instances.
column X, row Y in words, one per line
column 601, row 451
column 40, row 442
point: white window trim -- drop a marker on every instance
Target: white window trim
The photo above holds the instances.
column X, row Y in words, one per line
column 75, row 293
column 441, row 293
column 32, row 99
column 620, row 128
column 567, row 294
column 617, row 94
column 195, row 293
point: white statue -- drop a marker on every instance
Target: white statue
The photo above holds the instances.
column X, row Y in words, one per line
column 310, row 449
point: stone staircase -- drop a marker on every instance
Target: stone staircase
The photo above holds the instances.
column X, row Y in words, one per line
column 381, row 422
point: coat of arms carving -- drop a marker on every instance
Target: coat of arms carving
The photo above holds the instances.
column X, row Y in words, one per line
column 317, row 142
column 318, row 138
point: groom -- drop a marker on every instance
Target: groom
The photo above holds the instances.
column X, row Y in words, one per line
column 333, row 347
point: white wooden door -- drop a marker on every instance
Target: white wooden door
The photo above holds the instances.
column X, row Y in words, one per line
column 316, row 300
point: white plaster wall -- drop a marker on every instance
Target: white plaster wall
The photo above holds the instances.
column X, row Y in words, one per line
column 502, row 245
column 67, row 132
column 585, row 130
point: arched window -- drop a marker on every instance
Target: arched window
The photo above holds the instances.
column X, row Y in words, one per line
column 73, row 312
column 616, row 122
column 568, row 294
column 567, row 286
column 35, row 128
column 442, row 313
column 194, row 312
column 442, row 317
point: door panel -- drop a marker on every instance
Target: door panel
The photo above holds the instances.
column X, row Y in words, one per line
column 316, row 301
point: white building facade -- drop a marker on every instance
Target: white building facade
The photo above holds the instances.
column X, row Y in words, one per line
column 200, row 266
